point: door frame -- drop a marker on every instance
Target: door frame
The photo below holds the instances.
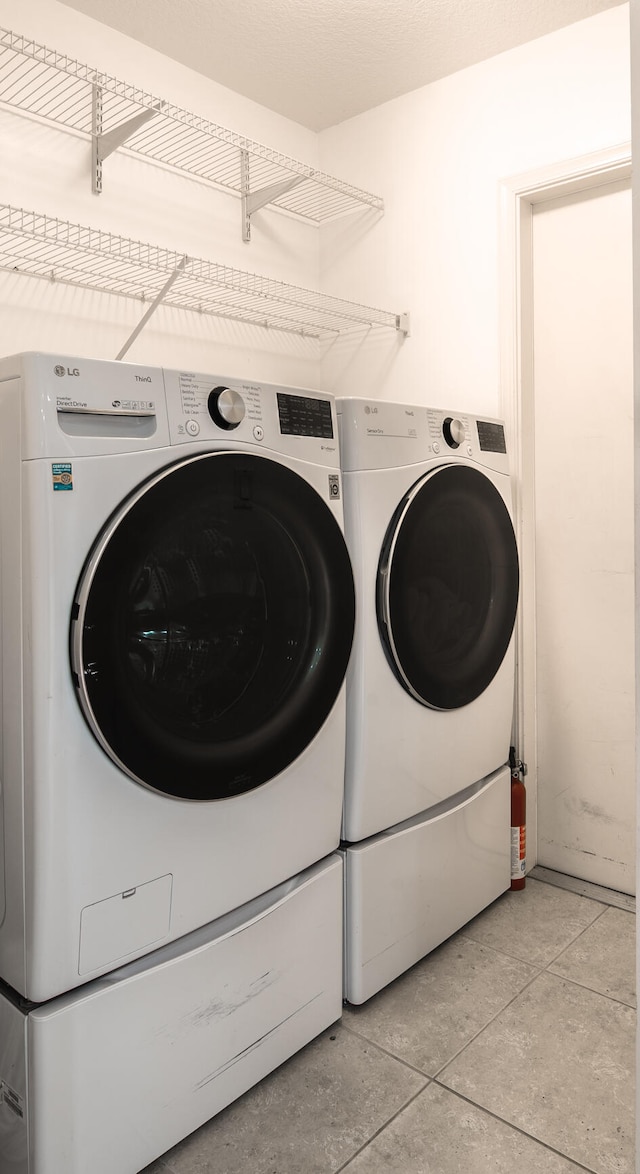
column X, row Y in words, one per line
column 518, row 196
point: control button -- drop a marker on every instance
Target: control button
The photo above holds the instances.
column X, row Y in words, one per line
column 469, row 450
column 192, row 427
column 436, row 446
column 258, row 432
column 226, row 407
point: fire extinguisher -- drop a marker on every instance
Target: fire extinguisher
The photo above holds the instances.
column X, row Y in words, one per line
column 518, row 824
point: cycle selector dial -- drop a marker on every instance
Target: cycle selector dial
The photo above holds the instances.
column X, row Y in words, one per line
column 226, row 407
column 453, row 431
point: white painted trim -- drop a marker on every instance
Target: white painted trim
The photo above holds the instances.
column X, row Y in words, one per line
column 517, row 197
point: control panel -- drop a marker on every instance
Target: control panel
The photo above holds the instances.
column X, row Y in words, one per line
column 449, row 433
column 386, row 435
column 289, row 420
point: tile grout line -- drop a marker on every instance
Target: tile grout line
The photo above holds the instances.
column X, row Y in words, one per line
column 503, row 953
column 539, row 970
column 576, row 938
column 420, row 1071
column 574, row 981
column 545, row 970
column 489, row 1022
column 555, row 957
column 382, row 1128
column 581, row 986
column 518, row 1129
column 385, row 1052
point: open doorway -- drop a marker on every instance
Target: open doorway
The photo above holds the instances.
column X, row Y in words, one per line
column 568, row 399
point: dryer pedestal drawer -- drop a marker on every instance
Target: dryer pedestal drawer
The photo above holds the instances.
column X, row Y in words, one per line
column 409, row 889
column 123, row 1068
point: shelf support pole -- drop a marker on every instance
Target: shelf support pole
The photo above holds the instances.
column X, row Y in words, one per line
column 153, row 307
column 253, row 201
column 103, row 145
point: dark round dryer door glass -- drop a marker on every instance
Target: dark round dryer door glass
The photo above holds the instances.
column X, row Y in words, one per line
column 448, row 587
column 213, row 626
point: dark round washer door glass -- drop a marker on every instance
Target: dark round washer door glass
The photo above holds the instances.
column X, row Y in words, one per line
column 448, row 587
column 213, row 625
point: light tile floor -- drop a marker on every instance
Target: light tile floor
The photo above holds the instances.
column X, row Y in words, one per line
column 511, row 1047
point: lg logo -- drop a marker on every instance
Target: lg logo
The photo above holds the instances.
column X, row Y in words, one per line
column 61, row 371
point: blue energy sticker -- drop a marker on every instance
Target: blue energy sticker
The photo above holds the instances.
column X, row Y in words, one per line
column 61, row 476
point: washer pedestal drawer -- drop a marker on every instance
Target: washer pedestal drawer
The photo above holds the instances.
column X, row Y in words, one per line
column 410, row 888
column 110, row 1076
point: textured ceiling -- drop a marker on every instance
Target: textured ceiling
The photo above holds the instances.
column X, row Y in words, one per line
column 321, row 61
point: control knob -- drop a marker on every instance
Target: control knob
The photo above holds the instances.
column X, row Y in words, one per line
column 453, row 432
column 226, row 407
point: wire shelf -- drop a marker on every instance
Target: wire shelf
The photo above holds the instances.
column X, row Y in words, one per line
column 47, row 83
column 44, row 246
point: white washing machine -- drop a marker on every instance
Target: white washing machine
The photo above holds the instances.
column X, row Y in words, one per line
column 431, row 683
column 177, row 610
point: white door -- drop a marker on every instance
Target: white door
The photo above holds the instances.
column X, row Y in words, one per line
column 584, row 554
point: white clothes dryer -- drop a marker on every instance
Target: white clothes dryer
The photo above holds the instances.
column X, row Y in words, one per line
column 177, row 609
column 431, row 684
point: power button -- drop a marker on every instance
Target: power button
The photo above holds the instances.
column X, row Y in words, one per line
column 192, row 427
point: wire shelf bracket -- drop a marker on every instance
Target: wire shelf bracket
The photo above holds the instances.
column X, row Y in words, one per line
column 113, row 114
column 253, row 201
column 43, row 246
column 104, row 144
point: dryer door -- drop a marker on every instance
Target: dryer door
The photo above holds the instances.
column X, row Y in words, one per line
column 212, row 625
column 447, row 588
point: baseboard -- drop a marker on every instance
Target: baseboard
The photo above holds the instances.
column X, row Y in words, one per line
column 584, row 888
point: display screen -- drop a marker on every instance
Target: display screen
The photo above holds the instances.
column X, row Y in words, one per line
column 491, row 437
column 302, row 416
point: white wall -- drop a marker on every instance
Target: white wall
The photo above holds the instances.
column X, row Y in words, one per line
column 437, row 156
column 47, row 170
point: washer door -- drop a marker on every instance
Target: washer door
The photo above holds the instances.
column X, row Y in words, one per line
column 447, row 588
column 212, row 625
